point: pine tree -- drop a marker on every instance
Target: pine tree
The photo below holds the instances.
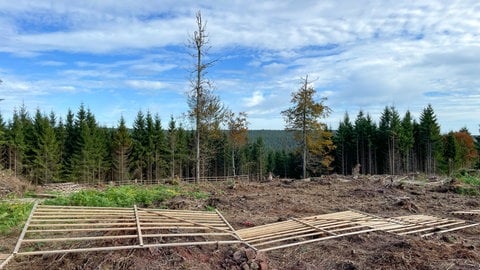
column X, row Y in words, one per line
column 86, row 161
column 139, row 150
column 344, row 140
column 364, row 134
column 450, row 153
column 46, row 150
column 258, row 158
column 160, row 149
column 3, row 142
column 389, row 130
column 172, row 141
column 302, row 118
column 150, row 146
column 206, row 110
column 429, row 139
column 69, row 145
column 406, row 141
column 122, row 145
column 16, row 144
column 237, row 132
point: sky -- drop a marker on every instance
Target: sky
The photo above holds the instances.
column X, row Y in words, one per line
column 118, row 57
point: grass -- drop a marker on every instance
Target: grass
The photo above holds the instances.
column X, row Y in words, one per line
column 125, row 196
column 471, row 185
column 13, row 216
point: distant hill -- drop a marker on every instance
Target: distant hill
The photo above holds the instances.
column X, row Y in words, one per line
column 276, row 140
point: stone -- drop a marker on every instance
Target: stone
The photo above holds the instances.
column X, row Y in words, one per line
column 254, row 266
column 263, row 266
column 245, row 266
column 250, row 253
column 239, row 256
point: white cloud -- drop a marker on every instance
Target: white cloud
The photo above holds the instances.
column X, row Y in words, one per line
column 145, row 84
column 255, row 100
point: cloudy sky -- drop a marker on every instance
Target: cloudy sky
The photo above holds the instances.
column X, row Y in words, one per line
column 119, row 57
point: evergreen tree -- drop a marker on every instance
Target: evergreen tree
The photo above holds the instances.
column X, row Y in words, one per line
column 302, row 118
column 344, row 140
column 172, row 141
column 122, row 145
column 429, row 137
column 258, row 157
column 389, row 131
column 450, row 154
column 16, row 144
column 150, row 146
column 69, row 145
column 3, row 142
column 88, row 153
column 237, row 132
column 139, row 150
column 364, row 135
column 406, row 141
column 46, row 150
column 160, row 149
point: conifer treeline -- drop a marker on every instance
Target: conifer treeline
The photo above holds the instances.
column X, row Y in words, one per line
column 45, row 148
column 399, row 145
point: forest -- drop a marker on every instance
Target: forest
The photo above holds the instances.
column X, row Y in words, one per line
column 45, row 148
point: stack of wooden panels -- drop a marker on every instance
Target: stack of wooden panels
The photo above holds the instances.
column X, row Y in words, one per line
column 328, row 226
column 59, row 229
column 306, row 230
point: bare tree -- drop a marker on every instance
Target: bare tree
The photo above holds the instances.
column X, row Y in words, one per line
column 205, row 108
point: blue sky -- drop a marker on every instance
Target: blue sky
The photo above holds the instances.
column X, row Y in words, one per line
column 119, row 57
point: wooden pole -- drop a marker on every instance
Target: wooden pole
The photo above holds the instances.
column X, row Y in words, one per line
column 139, row 229
column 24, row 231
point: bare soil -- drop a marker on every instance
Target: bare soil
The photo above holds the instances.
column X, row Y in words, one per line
column 250, row 204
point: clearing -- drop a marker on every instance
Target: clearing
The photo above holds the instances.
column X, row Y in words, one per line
column 250, row 204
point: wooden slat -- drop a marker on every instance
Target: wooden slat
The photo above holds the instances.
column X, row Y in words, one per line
column 82, row 224
column 24, row 230
column 315, row 227
column 431, row 227
column 5, row 261
column 85, row 238
column 467, row 212
column 139, row 229
column 84, row 230
column 184, row 234
column 451, row 229
column 316, row 240
column 187, row 221
column 46, row 252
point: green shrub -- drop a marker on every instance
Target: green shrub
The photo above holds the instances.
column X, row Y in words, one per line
column 123, row 196
column 471, row 180
column 467, row 191
column 13, row 216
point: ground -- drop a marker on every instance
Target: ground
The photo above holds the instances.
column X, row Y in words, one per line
column 250, row 204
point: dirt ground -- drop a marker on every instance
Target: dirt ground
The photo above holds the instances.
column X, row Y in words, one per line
column 252, row 204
